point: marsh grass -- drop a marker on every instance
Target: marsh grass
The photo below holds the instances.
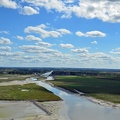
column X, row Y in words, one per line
column 34, row 92
column 99, row 88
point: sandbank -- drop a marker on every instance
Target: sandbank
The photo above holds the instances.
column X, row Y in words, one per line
column 25, row 110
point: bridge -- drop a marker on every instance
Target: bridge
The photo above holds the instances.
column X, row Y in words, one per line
column 47, row 74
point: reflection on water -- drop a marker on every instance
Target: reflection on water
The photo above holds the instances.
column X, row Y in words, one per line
column 79, row 108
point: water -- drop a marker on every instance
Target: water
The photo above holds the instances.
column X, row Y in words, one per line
column 80, row 108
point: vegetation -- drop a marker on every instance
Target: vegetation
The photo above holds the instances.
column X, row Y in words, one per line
column 101, row 88
column 26, row 92
column 11, row 77
column 99, row 83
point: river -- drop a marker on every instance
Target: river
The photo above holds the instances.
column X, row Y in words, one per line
column 80, row 108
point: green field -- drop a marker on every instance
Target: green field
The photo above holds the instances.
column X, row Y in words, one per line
column 31, row 92
column 9, row 77
column 101, row 88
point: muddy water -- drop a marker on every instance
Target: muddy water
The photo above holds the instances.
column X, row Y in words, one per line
column 80, row 108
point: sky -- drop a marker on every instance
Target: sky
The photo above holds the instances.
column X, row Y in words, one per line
column 60, row 33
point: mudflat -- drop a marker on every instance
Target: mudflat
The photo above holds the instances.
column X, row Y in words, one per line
column 25, row 110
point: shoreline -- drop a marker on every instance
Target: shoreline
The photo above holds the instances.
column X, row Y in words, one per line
column 57, row 109
column 27, row 110
column 90, row 98
column 103, row 102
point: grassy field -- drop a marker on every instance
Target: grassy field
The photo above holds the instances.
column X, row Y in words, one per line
column 100, row 88
column 8, row 77
column 31, row 92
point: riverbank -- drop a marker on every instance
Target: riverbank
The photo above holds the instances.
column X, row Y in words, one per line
column 25, row 90
column 57, row 109
column 25, row 110
column 92, row 99
column 103, row 102
column 105, row 89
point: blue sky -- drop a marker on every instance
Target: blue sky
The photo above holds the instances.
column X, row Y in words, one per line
column 60, row 33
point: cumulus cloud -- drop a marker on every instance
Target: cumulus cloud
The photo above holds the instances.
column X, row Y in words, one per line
column 33, row 38
column 115, row 51
column 66, row 46
column 91, row 34
column 44, row 44
column 95, row 34
column 64, row 31
column 100, row 55
column 94, row 42
column 5, row 48
column 45, row 32
column 49, row 5
column 4, row 32
column 27, row 10
column 5, row 40
column 97, row 59
column 19, row 37
column 105, row 10
column 78, row 33
column 11, row 53
column 80, row 50
column 69, row 1
column 8, row 4
column 39, row 49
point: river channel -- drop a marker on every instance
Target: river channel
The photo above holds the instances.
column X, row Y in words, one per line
column 80, row 108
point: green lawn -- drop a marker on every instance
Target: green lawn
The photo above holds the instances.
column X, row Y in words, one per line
column 105, row 89
column 34, row 92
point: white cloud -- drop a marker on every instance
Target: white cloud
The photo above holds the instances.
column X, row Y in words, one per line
column 33, row 38
column 45, row 32
column 5, row 40
column 56, row 5
column 69, row 1
column 66, row 46
column 39, row 49
column 27, row 10
column 44, row 44
column 4, row 32
column 105, row 10
column 5, row 48
column 91, row 34
column 78, row 33
column 115, row 51
column 19, row 37
column 64, row 31
column 95, row 34
column 80, row 50
column 11, row 53
column 44, row 56
column 94, row 42
column 100, row 55
column 8, row 4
